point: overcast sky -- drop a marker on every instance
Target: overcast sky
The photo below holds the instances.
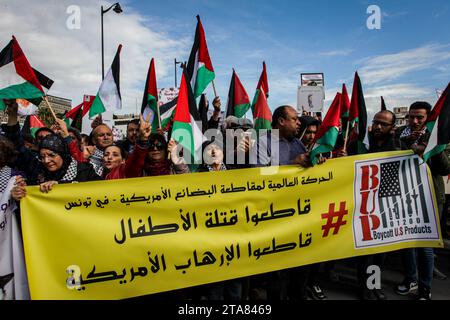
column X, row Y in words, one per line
column 406, row 60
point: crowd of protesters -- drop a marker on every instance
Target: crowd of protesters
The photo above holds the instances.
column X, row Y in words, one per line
column 60, row 154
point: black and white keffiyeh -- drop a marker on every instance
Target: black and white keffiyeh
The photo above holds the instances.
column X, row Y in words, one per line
column 71, row 172
column 222, row 167
column 407, row 132
column 5, row 175
column 96, row 159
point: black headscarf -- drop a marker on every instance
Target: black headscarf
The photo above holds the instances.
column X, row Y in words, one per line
column 56, row 144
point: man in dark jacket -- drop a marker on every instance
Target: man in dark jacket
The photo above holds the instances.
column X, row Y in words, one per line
column 132, row 130
column 381, row 139
column 421, row 260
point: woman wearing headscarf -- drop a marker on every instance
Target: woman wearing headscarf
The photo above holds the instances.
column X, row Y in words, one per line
column 59, row 166
column 102, row 137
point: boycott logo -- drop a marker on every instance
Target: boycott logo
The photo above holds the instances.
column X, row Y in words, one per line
column 393, row 202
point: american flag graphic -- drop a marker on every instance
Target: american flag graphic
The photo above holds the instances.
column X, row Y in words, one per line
column 401, row 193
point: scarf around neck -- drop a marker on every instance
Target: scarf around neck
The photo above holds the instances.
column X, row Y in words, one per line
column 159, row 168
column 96, row 159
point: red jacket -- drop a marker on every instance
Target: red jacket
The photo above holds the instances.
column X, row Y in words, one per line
column 132, row 168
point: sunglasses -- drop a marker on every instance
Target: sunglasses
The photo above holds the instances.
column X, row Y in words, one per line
column 156, row 144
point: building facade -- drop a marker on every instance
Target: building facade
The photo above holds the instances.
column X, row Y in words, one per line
column 401, row 113
column 60, row 107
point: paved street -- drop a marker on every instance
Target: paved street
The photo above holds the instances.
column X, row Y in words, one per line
column 346, row 287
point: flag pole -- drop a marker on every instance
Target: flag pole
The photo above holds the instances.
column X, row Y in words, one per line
column 214, row 88
column 304, row 131
column 50, row 107
column 159, row 114
column 346, row 135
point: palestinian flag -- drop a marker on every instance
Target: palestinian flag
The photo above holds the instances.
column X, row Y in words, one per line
column 383, row 104
column 46, row 84
column 358, row 114
column 32, row 124
column 26, row 108
column 262, row 83
column 30, row 106
column 167, row 113
column 328, row 132
column 150, row 99
column 345, row 107
column 73, row 117
column 345, row 102
column 262, row 116
column 17, row 77
column 199, row 69
column 440, row 133
column 186, row 129
column 88, row 100
column 108, row 96
column 238, row 101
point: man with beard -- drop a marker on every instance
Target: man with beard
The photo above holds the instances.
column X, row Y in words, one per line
column 382, row 136
column 308, row 130
column 132, row 131
column 381, row 139
column 288, row 150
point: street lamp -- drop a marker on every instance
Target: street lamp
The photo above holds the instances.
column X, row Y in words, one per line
column 117, row 9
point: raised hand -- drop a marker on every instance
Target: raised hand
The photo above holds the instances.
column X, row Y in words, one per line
column 173, row 151
column 244, row 144
column 217, row 104
column 61, row 126
column 145, row 128
column 88, row 151
column 11, row 109
column 97, row 121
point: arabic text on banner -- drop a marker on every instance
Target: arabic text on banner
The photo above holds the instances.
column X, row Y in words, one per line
column 125, row 238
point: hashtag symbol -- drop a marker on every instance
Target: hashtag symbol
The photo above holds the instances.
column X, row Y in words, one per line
column 330, row 215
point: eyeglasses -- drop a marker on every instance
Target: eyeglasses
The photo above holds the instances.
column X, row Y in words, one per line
column 49, row 155
column 156, row 144
column 383, row 124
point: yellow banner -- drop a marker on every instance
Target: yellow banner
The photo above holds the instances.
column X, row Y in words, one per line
column 125, row 238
